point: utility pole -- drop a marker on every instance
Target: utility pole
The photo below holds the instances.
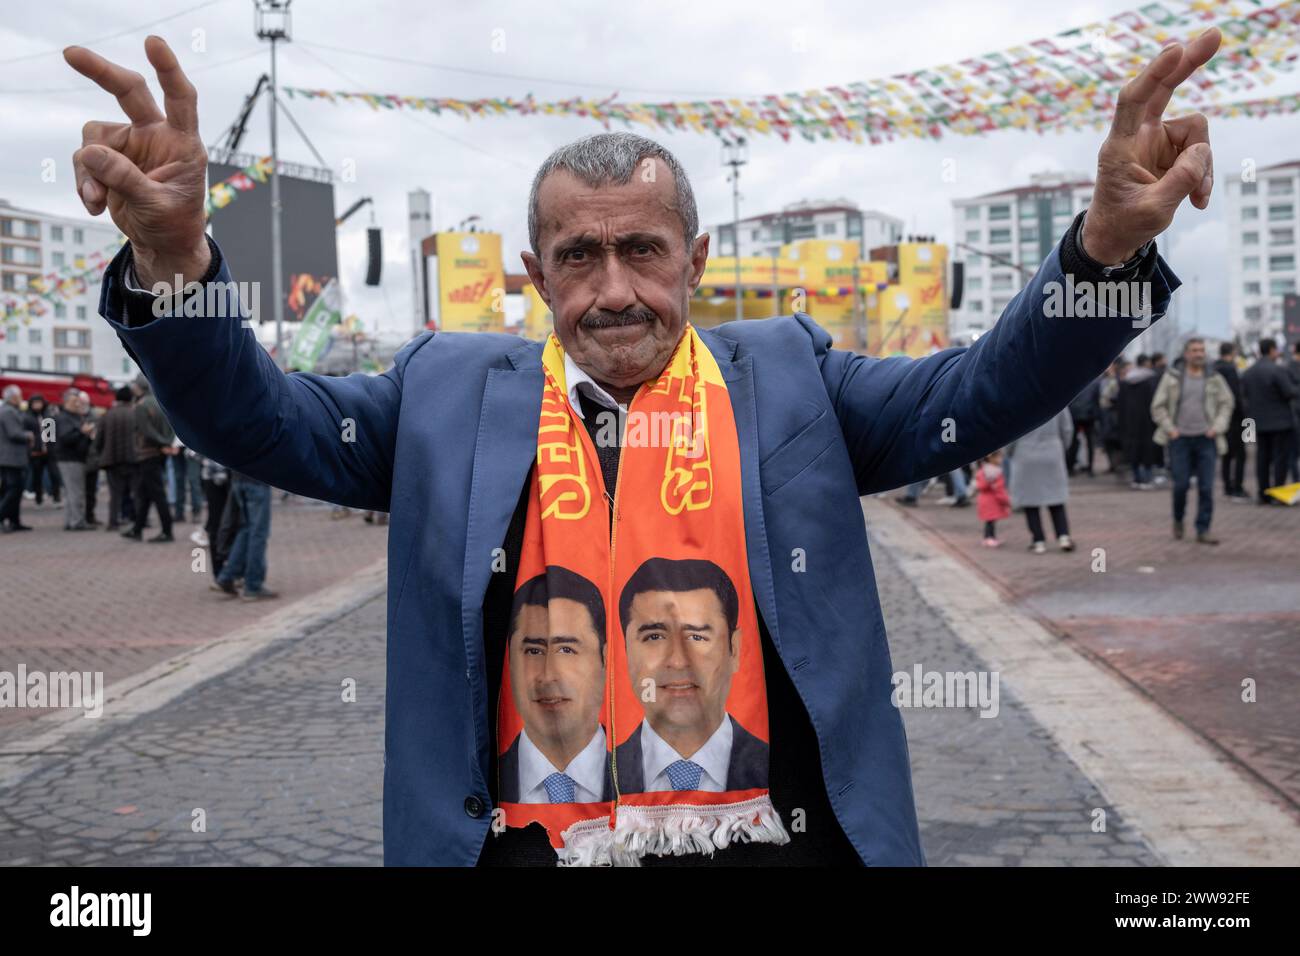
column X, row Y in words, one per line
column 735, row 154
column 273, row 24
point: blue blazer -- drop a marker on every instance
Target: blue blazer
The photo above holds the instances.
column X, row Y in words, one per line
column 444, row 440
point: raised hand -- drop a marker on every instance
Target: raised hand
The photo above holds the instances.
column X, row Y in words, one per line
column 149, row 173
column 1147, row 166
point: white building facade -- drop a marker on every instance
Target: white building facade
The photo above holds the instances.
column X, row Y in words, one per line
column 1263, row 221
column 839, row 219
column 1001, row 239
column 69, row 336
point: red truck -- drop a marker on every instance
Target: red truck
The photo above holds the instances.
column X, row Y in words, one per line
column 53, row 384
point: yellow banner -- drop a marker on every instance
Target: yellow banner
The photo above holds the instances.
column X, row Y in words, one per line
column 537, row 317
column 471, row 282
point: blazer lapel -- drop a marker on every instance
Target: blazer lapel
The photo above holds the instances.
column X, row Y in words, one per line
column 503, row 453
column 739, row 376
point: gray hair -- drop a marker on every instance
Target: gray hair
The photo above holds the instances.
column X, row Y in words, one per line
column 11, row 391
column 611, row 159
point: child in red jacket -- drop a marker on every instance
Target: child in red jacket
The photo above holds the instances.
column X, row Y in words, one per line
column 994, row 502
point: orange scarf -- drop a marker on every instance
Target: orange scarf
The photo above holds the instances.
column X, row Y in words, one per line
column 633, row 711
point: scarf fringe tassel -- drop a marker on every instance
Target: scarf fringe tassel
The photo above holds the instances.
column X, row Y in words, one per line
column 671, row 830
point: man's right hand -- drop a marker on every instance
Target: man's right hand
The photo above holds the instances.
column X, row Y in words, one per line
column 149, row 173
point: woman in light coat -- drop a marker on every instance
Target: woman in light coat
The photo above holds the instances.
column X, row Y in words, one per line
column 1038, row 479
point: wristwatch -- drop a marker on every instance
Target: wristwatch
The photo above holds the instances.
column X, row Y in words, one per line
column 1126, row 267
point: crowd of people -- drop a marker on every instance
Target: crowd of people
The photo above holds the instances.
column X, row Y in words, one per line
column 60, row 452
column 1155, row 423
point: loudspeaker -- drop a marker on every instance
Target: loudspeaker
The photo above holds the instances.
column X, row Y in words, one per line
column 375, row 261
column 1291, row 318
column 958, row 281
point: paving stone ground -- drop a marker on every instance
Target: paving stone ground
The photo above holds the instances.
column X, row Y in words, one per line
column 287, row 773
column 93, row 601
column 1187, row 623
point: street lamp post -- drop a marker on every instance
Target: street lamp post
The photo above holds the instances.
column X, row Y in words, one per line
column 273, row 23
column 735, row 154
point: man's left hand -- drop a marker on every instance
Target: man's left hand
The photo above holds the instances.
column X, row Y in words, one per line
column 1147, row 166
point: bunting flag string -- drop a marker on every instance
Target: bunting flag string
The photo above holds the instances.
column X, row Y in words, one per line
column 222, row 194
column 1067, row 81
column 45, row 290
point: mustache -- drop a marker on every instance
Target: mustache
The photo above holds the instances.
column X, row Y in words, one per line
column 607, row 319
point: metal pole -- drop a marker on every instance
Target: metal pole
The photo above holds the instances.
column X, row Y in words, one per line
column 277, row 292
column 735, row 231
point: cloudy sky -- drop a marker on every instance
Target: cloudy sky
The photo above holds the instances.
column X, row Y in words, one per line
column 658, row 51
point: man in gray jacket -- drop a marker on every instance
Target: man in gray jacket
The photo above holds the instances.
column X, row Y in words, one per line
column 1192, row 409
column 153, row 440
column 15, row 440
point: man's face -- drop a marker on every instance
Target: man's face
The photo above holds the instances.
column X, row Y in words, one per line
column 1194, row 355
column 679, row 641
column 557, row 675
column 615, row 271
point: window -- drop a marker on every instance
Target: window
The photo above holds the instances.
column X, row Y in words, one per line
column 753, row 234
column 81, row 313
column 1250, row 238
column 78, row 236
column 35, row 362
column 1061, row 205
column 1281, row 263
column 1249, row 189
column 1028, row 233
column 20, row 229
column 975, row 305
column 975, row 283
column 21, row 255
column 1281, row 286
column 1002, row 280
column 974, row 236
column 1250, row 263
column 999, row 212
column 972, row 212
column 999, row 237
column 56, row 260
column 1279, row 187
column 1249, row 213
column 71, row 339
column 60, row 310
column 56, row 233
column 14, row 282
column 828, row 229
column 1276, row 213
column 1254, row 313
column 1251, row 288
column 853, row 227
column 1028, row 210
column 13, row 360
column 33, row 336
column 1281, row 237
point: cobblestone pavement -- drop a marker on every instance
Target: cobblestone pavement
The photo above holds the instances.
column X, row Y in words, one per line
column 1187, row 623
column 92, row 601
column 287, row 773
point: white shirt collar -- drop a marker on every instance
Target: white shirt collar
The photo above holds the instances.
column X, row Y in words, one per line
column 714, row 756
column 576, row 378
column 587, row 769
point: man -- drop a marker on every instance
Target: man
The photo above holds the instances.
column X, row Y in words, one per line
column 1084, row 412
column 1234, row 462
column 15, row 442
column 41, row 461
column 115, row 444
column 1192, row 409
column 557, row 678
column 448, row 438
column 247, row 558
column 1268, row 392
column 1136, row 390
column 73, row 435
column 679, row 622
column 153, row 442
column 1293, row 369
